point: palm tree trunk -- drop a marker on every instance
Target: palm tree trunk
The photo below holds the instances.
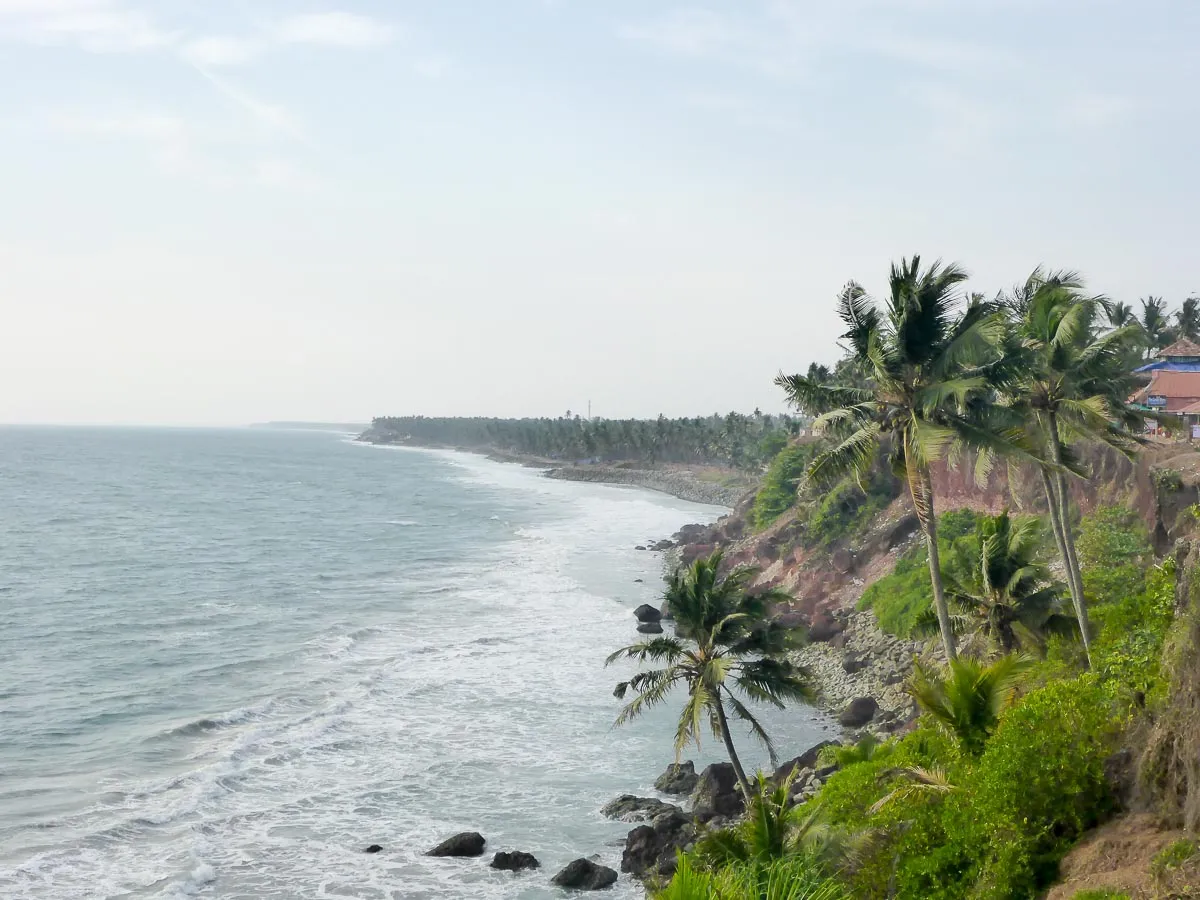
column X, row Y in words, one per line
column 1070, row 559
column 922, row 496
column 1073, row 583
column 733, row 757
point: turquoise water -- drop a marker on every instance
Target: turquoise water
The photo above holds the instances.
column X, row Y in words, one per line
column 231, row 659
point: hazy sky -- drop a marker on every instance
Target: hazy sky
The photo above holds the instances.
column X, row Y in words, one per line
column 221, row 212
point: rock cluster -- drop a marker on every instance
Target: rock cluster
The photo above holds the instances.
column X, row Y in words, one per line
column 679, row 778
column 861, row 664
column 628, row 808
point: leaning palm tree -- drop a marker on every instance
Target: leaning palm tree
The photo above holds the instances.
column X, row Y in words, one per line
column 725, row 644
column 1119, row 314
column 968, row 698
column 1001, row 588
column 1067, row 383
column 928, row 367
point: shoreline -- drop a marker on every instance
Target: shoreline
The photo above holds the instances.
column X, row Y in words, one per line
column 708, row 485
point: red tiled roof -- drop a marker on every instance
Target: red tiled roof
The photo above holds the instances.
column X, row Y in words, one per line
column 1180, row 388
column 1182, row 347
column 1192, row 409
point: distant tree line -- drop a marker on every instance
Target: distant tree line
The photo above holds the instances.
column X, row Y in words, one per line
column 736, row 440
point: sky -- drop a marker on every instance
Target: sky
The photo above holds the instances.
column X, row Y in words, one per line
column 222, row 212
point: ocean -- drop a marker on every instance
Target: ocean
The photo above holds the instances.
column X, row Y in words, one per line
column 232, row 659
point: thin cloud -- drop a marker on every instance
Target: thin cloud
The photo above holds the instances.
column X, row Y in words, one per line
column 97, row 26
column 334, row 29
column 218, row 51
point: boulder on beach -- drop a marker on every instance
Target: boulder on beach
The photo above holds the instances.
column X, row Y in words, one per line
column 859, row 712
column 824, row 627
column 806, row 760
column 650, row 849
column 679, row 778
column 628, row 808
column 466, row 843
column 647, row 613
column 585, row 875
column 649, row 628
column 514, row 861
column 717, row 793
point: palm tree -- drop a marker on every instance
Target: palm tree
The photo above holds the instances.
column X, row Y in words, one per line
column 725, row 644
column 1155, row 323
column 1187, row 319
column 1000, row 587
column 926, row 369
column 969, row 697
column 1067, row 383
column 1119, row 314
column 773, row 827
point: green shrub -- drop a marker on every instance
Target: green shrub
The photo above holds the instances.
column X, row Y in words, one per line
column 846, row 508
column 1171, row 857
column 778, row 491
column 900, row 598
column 1114, row 553
column 1127, row 651
column 1039, row 784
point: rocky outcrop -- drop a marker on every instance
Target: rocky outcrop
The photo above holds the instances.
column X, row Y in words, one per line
column 585, row 875
column 858, row 712
column 650, row 628
column 650, row 849
column 806, row 760
column 466, row 843
column 628, row 808
column 717, row 793
column 679, row 778
column 515, row 861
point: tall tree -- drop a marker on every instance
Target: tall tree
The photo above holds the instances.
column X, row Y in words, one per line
column 1187, row 319
column 927, row 366
column 1067, row 383
column 726, row 644
column 1155, row 323
column 1000, row 586
column 1119, row 314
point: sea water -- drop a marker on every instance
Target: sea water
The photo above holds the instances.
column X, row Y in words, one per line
column 231, row 660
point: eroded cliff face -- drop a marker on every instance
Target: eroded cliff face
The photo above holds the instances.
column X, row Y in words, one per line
column 1162, row 483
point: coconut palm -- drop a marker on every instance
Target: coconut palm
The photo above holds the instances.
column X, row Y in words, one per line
column 927, row 371
column 1155, row 323
column 726, row 644
column 968, row 698
column 1119, row 314
column 773, row 827
column 1067, row 383
column 1000, row 587
column 1187, row 319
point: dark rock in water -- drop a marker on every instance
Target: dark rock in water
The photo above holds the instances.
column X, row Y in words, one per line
column 639, row 547
column 628, row 808
column 647, row 613
column 717, row 793
column 859, row 712
column 660, row 546
column 516, row 861
column 374, row 848
column 650, row 628
column 679, row 778
column 467, row 843
column 650, row 849
column 637, row 581
column 806, row 760
column 854, row 663
column 585, row 875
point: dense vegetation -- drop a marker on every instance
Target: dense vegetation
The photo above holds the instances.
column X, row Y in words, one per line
column 745, row 442
column 1062, row 621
